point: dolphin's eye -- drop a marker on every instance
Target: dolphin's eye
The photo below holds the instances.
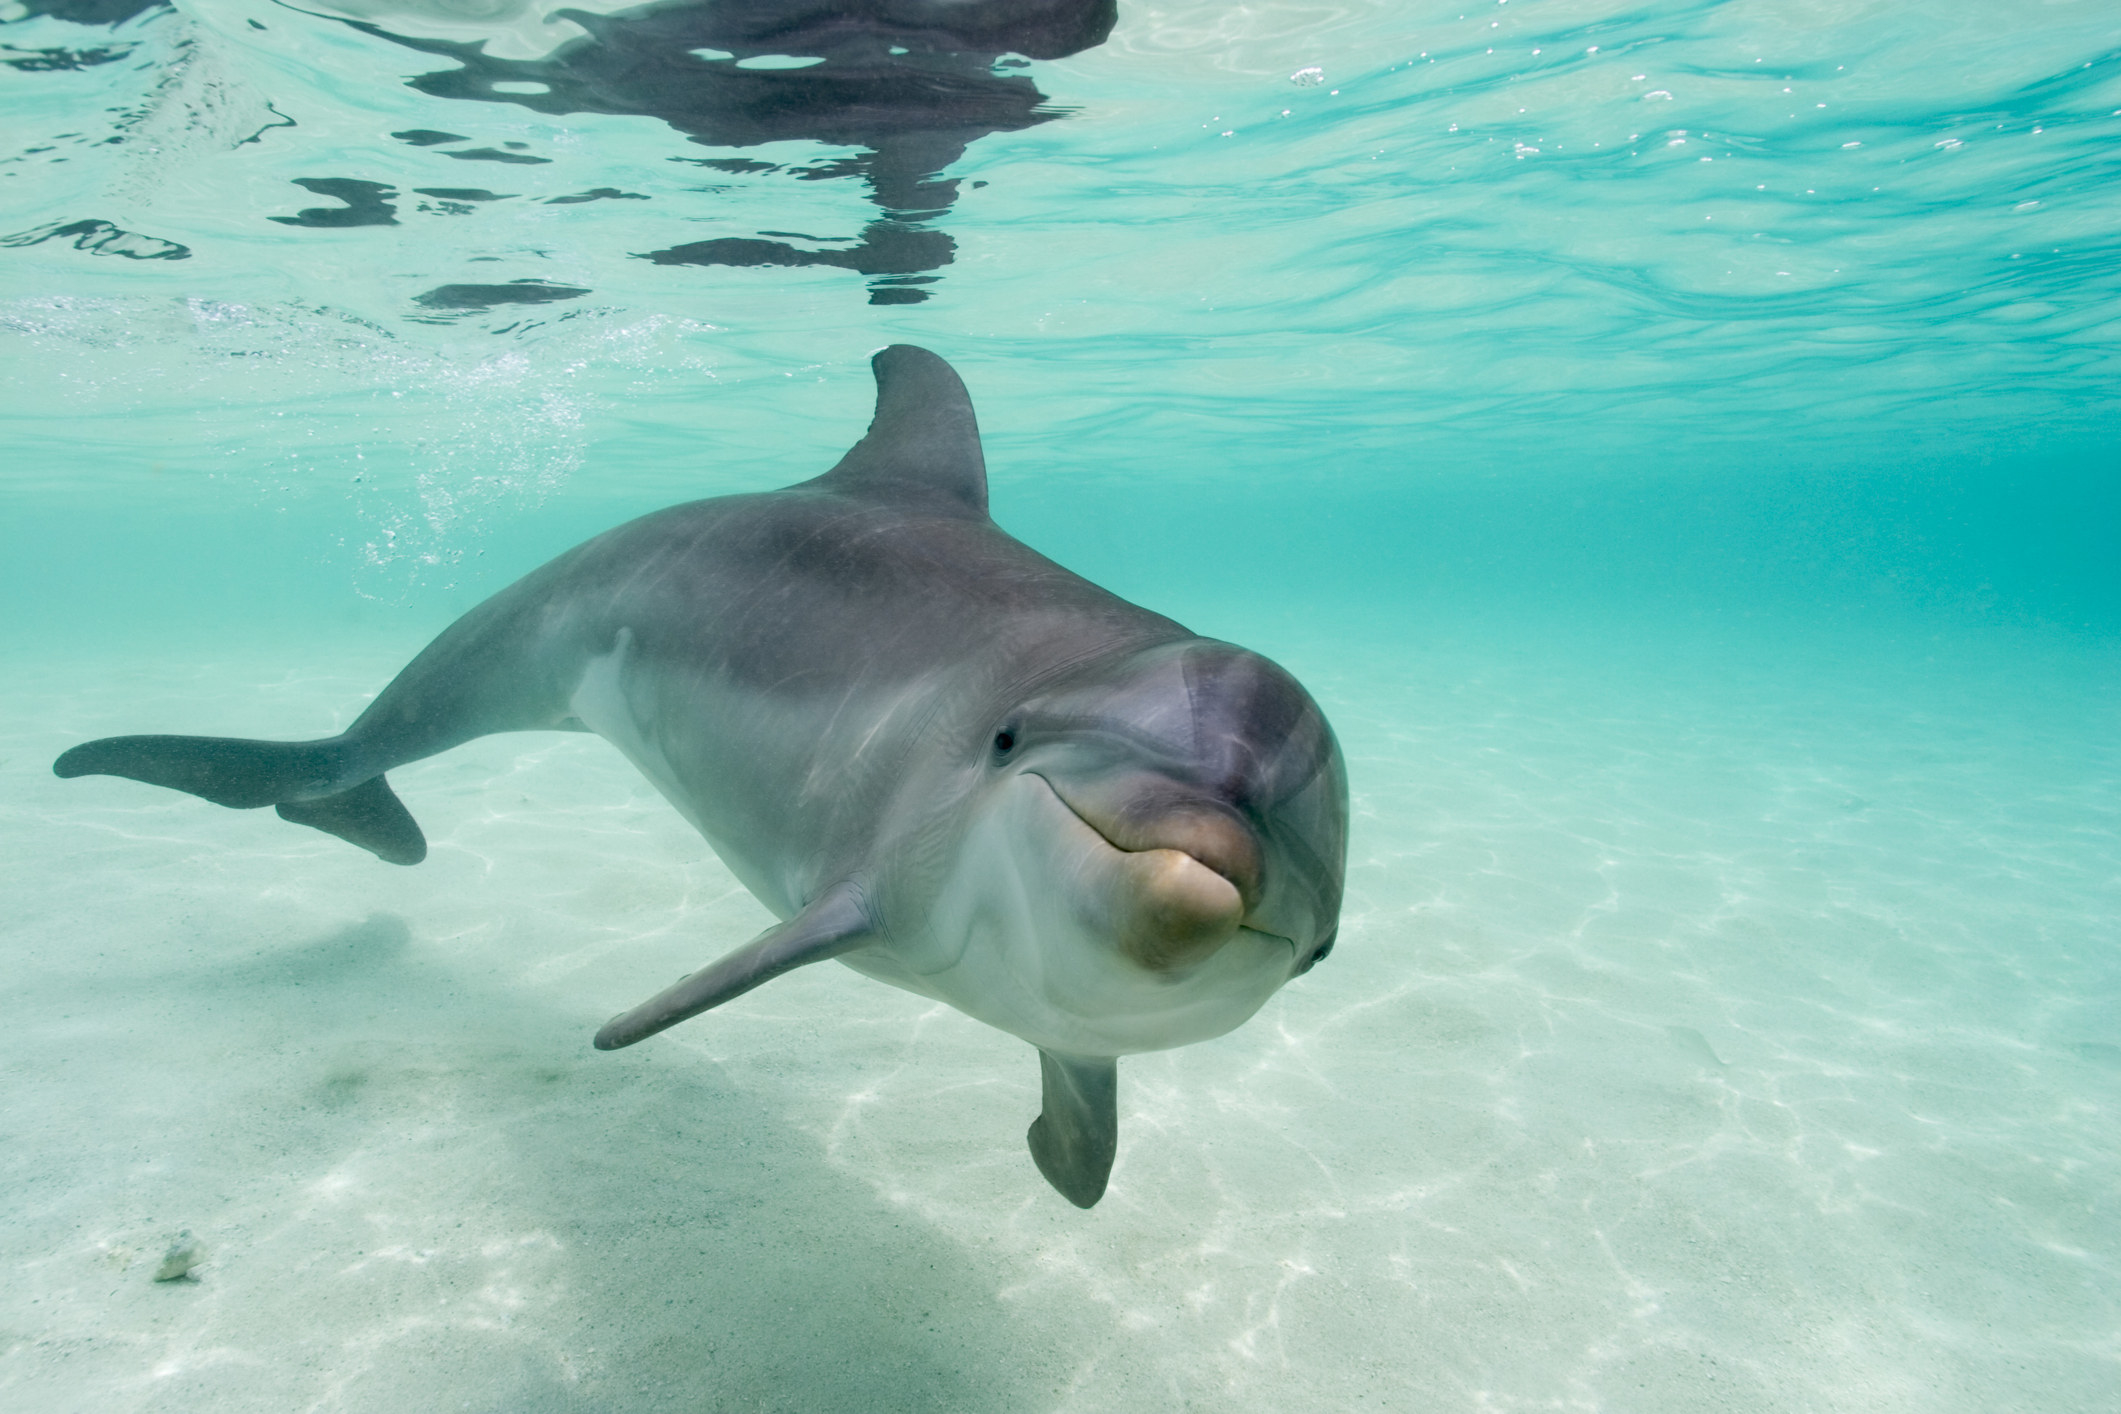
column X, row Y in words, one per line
column 1004, row 742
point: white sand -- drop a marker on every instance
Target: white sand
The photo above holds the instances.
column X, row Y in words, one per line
column 1701, row 1037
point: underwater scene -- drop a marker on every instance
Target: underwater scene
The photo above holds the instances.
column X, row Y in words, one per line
column 1672, row 444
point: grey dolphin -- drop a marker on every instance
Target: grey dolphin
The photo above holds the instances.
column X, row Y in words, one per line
column 935, row 754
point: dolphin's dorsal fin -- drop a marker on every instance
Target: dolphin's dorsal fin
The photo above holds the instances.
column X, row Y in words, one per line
column 923, row 435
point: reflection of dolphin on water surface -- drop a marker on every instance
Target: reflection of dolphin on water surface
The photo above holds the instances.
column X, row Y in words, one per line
column 937, row 755
column 911, row 83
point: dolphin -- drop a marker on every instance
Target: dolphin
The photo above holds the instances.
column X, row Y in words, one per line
column 933, row 753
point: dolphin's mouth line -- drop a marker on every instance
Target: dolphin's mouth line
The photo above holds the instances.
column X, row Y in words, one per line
column 1242, row 927
column 1288, row 943
column 1055, row 791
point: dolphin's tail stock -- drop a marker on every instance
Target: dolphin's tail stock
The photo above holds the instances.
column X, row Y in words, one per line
column 321, row 784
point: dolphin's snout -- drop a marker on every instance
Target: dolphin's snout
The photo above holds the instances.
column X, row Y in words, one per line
column 1186, row 873
column 1141, row 814
column 1217, row 839
column 1181, row 910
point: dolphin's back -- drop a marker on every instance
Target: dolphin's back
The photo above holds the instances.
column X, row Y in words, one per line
column 770, row 660
column 821, row 588
column 826, row 598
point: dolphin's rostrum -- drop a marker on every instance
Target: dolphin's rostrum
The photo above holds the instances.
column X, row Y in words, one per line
column 936, row 754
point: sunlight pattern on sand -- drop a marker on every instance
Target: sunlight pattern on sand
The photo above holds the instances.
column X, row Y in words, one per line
column 1695, row 1027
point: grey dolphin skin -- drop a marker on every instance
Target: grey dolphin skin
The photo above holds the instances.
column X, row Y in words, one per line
column 932, row 752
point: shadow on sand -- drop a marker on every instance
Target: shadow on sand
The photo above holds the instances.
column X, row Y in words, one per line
column 426, row 1185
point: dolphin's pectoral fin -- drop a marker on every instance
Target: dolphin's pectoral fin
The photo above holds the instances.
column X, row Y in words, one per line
column 834, row 923
column 369, row 815
column 1076, row 1133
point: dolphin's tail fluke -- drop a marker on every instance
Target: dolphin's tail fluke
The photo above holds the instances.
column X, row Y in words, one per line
column 369, row 815
column 316, row 783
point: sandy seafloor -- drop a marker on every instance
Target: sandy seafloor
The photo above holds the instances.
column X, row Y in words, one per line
column 1729, row 1028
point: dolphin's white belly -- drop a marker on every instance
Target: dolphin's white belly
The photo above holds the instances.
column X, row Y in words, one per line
column 603, row 701
column 784, row 791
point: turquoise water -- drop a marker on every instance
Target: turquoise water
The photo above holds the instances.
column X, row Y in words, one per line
column 1673, row 442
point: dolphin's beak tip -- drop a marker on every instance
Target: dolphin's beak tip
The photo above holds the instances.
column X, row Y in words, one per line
column 1181, row 911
